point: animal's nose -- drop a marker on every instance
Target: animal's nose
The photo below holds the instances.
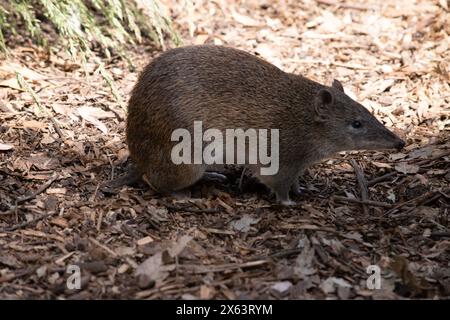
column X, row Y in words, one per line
column 400, row 144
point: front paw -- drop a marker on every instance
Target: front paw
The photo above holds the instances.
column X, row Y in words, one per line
column 288, row 203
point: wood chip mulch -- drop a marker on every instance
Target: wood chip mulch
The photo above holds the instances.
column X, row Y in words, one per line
column 389, row 209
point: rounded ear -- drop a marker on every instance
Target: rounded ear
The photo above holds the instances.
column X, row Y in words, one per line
column 337, row 85
column 324, row 99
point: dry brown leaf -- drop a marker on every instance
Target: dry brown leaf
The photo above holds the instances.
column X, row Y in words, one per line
column 5, row 147
column 304, row 267
column 56, row 191
column 27, row 73
column 206, row 292
column 179, row 246
column 10, row 261
column 43, row 163
column 60, row 222
column 33, row 124
column 95, row 112
column 282, row 286
column 381, row 164
column 11, row 83
column 144, row 241
column 63, row 109
column 397, row 156
column 401, row 267
column 153, row 269
column 89, row 114
column 201, row 39
column 332, row 283
column 244, row 223
column 245, row 20
column 421, row 153
column 406, row 168
column 444, row 4
column 47, row 139
column 125, row 251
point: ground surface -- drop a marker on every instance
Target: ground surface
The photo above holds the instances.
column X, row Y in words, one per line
column 227, row 243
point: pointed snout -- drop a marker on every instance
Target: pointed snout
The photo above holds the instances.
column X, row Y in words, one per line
column 398, row 143
column 389, row 139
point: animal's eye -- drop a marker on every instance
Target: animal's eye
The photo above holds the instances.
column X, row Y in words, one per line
column 356, row 124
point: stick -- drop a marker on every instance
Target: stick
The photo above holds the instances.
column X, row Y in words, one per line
column 416, row 201
column 19, row 274
column 56, row 127
column 117, row 114
column 382, row 178
column 39, row 190
column 345, row 5
column 362, row 182
column 31, row 196
column 224, row 267
column 422, row 162
column 443, row 234
column 367, row 202
column 27, row 223
column 171, row 207
column 428, row 198
column 98, row 244
column 286, row 253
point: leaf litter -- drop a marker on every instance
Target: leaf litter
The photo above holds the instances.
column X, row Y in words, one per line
column 225, row 242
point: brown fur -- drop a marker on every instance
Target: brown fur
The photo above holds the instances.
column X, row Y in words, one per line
column 229, row 88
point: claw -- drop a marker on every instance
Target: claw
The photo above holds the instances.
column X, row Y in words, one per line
column 288, row 203
column 214, row 177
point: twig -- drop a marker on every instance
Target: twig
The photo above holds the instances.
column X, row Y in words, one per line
column 180, row 288
column 444, row 194
column 41, row 189
column 433, row 198
column 116, row 113
column 367, row 202
column 417, row 201
column 280, row 254
column 382, row 178
column 171, row 207
column 98, row 244
column 224, row 267
column 427, row 200
column 27, row 223
column 443, row 234
column 286, row 253
column 350, row 66
column 219, row 231
column 436, row 157
column 345, row 5
column 31, row 196
column 9, row 278
column 354, row 267
column 362, row 182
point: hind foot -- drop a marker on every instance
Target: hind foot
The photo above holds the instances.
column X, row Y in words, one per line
column 214, row 177
column 131, row 177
